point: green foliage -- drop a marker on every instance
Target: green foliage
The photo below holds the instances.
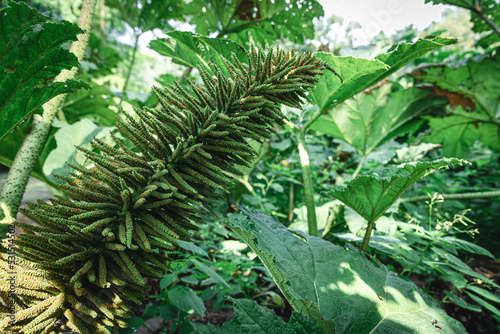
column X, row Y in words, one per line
column 256, row 21
column 359, row 74
column 146, row 15
column 479, row 10
column 312, row 273
column 471, row 90
column 372, row 118
column 372, row 195
column 96, row 105
column 30, row 57
column 434, row 250
column 250, row 317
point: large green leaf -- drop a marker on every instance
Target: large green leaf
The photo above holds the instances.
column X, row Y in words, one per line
column 30, row 57
column 339, row 285
column 258, row 21
column 472, row 90
column 371, row 195
column 370, row 119
column 359, row 74
column 190, row 49
column 474, row 80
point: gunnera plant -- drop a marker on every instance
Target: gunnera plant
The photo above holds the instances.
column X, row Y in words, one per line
column 96, row 245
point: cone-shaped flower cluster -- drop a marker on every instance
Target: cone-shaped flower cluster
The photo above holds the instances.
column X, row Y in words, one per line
column 97, row 247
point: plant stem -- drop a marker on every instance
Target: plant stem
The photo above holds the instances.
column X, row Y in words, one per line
column 290, row 201
column 27, row 155
column 477, row 118
column 484, row 194
column 421, row 258
column 185, row 75
column 479, row 11
column 366, row 239
column 308, row 184
column 360, row 166
column 132, row 61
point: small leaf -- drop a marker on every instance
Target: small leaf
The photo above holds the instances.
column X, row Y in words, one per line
column 465, row 245
column 484, row 293
column 192, row 248
column 186, row 300
column 167, row 280
column 460, row 302
column 212, row 274
column 484, row 303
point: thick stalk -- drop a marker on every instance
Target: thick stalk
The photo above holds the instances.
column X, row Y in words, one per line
column 366, row 239
column 22, row 166
column 308, row 184
column 484, row 194
column 132, row 61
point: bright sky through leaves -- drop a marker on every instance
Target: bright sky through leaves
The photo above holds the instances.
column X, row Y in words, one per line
column 386, row 15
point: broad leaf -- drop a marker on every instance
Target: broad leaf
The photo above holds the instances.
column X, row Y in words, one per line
column 359, row 74
column 30, row 57
column 167, row 280
column 370, row 119
column 371, row 196
column 186, row 300
column 190, row 49
column 472, row 91
column 413, row 153
column 336, row 285
column 250, row 317
column 476, row 81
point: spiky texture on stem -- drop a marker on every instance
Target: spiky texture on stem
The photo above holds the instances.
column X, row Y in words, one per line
column 133, row 200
